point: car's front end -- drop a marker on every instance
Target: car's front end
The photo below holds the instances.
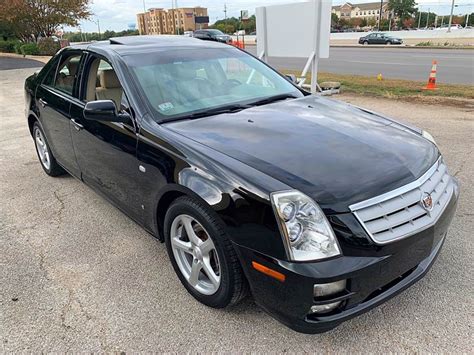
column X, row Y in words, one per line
column 394, row 40
column 223, row 38
column 384, row 244
column 363, row 218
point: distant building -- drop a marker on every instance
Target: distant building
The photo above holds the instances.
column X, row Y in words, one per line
column 366, row 10
column 157, row 21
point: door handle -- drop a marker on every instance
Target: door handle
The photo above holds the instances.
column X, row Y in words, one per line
column 77, row 125
column 42, row 102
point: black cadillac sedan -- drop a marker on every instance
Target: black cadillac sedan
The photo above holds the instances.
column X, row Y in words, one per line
column 319, row 209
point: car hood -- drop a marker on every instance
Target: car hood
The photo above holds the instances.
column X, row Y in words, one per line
column 334, row 152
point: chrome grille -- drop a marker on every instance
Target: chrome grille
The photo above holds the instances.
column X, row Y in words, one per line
column 400, row 213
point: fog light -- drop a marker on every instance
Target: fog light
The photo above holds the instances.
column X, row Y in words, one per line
column 328, row 289
column 324, row 308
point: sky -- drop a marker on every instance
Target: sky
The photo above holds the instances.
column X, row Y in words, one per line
column 117, row 15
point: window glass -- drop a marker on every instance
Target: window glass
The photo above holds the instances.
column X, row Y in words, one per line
column 180, row 82
column 102, row 83
column 49, row 78
column 67, row 73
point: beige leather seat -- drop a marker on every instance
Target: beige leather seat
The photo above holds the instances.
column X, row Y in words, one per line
column 110, row 88
column 66, row 82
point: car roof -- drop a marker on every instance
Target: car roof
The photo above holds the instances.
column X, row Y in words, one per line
column 146, row 44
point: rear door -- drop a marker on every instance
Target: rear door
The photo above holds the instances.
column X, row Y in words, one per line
column 54, row 97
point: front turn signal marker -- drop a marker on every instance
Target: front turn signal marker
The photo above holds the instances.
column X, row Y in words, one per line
column 269, row 272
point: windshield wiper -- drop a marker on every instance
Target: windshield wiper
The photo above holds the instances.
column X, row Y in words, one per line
column 275, row 98
column 216, row 111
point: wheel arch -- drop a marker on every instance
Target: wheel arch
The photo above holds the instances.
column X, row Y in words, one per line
column 168, row 195
column 31, row 121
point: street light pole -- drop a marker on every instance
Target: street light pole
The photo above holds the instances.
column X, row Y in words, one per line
column 144, row 18
column 451, row 16
column 380, row 15
column 419, row 17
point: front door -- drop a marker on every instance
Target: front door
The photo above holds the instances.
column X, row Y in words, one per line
column 106, row 151
column 54, row 98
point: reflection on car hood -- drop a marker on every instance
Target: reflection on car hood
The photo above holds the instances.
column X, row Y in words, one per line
column 336, row 153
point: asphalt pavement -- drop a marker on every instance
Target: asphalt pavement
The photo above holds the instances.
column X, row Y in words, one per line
column 77, row 275
column 455, row 66
column 9, row 63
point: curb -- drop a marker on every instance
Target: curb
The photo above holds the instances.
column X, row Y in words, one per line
column 39, row 58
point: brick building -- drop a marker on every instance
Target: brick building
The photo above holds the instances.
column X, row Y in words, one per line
column 368, row 10
column 157, row 21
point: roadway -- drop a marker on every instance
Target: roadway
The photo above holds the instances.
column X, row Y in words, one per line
column 9, row 63
column 455, row 66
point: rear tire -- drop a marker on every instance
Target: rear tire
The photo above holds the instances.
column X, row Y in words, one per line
column 388, row 43
column 45, row 156
column 198, row 245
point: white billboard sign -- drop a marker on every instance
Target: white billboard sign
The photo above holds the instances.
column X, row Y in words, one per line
column 297, row 30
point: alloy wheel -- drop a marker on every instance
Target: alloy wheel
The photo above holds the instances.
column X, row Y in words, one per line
column 195, row 254
column 42, row 149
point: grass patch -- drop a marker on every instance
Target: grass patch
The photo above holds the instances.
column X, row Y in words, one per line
column 391, row 88
column 444, row 44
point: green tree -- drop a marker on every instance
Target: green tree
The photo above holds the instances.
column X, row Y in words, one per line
column 234, row 24
column 30, row 19
column 334, row 20
column 402, row 9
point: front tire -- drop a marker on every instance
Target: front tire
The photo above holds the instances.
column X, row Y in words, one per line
column 365, row 43
column 46, row 158
column 388, row 43
column 202, row 254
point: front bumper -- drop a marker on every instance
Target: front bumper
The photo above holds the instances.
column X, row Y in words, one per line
column 371, row 279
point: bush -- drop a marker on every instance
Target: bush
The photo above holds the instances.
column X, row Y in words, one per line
column 29, row 49
column 8, row 46
column 17, row 47
column 47, row 46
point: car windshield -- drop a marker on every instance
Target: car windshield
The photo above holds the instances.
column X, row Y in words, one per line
column 180, row 83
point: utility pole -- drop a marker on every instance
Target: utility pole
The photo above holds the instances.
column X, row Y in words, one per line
column 451, row 16
column 467, row 20
column 427, row 18
column 225, row 17
column 177, row 17
column 98, row 28
column 419, row 17
column 144, row 18
column 380, row 15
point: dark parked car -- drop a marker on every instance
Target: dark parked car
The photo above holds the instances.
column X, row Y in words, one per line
column 212, row 35
column 320, row 209
column 379, row 38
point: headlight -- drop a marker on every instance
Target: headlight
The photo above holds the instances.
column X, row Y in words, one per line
column 428, row 136
column 306, row 231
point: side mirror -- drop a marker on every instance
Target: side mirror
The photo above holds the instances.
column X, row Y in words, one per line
column 292, row 78
column 104, row 110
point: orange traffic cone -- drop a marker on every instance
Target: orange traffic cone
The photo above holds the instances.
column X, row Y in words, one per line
column 432, row 79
